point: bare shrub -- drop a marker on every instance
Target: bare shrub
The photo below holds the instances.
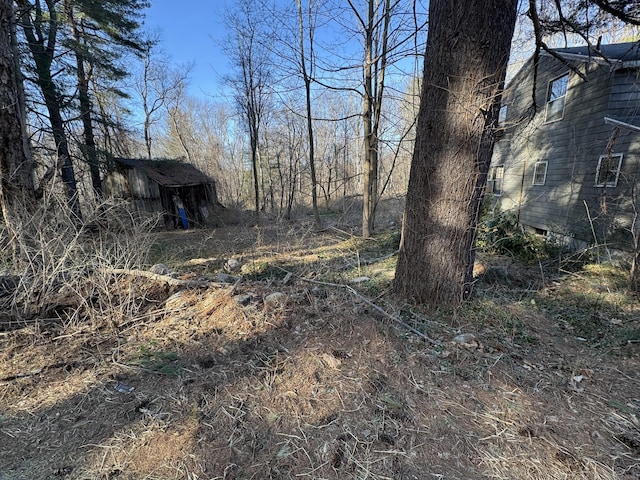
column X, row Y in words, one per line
column 64, row 268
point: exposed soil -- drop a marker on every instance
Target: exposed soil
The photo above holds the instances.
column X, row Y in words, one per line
column 229, row 381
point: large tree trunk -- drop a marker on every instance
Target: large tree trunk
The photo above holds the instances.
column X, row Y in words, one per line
column 466, row 57
column 16, row 168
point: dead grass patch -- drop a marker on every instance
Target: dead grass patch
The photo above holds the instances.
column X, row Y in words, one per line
column 234, row 383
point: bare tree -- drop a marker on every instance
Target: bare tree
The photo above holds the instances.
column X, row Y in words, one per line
column 389, row 29
column 155, row 85
column 251, row 80
column 181, row 128
column 375, row 27
column 307, row 66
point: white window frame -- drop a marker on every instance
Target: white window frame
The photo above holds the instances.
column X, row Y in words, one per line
column 562, row 98
column 535, row 172
column 493, row 180
column 502, row 114
column 611, row 156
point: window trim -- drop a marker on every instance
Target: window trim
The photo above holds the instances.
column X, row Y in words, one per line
column 548, row 101
column 493, row 179
column 502, row 114
column 535, row 172
column 614, row 183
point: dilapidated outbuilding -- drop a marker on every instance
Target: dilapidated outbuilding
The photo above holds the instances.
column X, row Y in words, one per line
column 183, row 194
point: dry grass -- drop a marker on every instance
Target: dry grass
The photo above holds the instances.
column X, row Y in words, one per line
column 230, row 383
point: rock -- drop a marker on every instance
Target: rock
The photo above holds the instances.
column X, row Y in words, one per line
column 464, row 338
column 233, row 265
column 226, row 278
column 160, row 269
column 331, row 361
column 174, row 301
column 468, row 341
column 359, row 280
column 243, row 300
column 275, row 298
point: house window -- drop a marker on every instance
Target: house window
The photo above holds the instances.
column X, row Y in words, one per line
column 556, row 94
column 494, row 182
column 608, row 170
column 502, row 115
column 540, row 173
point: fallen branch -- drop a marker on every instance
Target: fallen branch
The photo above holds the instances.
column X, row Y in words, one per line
column 377, row 308
column 164, row 278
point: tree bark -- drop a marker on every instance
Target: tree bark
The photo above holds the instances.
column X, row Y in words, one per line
column 466, row 57
column 86, row 108
column 17, row 197
column 16, row 169
column 15, row 164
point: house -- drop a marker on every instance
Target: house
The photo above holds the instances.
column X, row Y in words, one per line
column 567, row 158
column 180, row 192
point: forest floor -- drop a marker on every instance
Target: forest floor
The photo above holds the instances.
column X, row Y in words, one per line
column 302, row 367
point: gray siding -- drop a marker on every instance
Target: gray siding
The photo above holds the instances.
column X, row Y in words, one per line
column 625, row 94
column 572, row 147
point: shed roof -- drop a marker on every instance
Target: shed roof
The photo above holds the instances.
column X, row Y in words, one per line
column 168, row 173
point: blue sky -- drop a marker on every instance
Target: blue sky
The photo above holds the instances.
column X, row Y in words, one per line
column 190, row 32
column 193, row 31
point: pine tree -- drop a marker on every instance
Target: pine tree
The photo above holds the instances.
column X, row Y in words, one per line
column 100, row 32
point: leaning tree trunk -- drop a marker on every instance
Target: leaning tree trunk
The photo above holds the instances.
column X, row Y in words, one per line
column 466, row 57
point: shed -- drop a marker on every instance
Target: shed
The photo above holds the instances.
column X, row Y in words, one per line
column 163, row 186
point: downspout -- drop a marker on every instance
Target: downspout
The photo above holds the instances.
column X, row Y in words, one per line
column 521, row 196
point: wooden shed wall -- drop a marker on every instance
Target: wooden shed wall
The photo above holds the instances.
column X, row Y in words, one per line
column 140, row 193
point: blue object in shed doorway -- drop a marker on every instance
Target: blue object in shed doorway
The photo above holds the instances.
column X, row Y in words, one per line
column 181, row 211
